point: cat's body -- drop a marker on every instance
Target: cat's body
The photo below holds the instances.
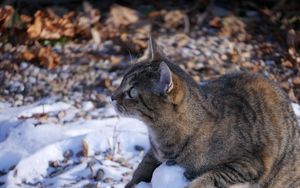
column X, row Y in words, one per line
column 237, row 129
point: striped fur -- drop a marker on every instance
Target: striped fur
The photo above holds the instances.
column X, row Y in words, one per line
column 238, row 129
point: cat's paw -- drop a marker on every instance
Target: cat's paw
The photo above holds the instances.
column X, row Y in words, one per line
column 189, row 176
column 203, row 181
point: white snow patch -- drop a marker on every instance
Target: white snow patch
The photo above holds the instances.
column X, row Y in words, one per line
column 87, row 105
column 296, row 108
column 45, row 108
column 28, row 146
column 166, row 176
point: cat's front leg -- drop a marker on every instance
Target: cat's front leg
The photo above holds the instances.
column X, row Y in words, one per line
column 226, row 175
column 144, row 171
column 204, row 181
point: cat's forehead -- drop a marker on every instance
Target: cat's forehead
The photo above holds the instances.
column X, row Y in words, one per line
column 140, row 70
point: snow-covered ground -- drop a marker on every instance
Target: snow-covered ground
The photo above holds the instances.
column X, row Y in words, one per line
column 54, row 144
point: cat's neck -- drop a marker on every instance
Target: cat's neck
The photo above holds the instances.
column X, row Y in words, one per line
column 185, row 117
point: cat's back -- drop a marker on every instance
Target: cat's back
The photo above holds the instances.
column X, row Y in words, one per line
column 243, row 82
column 273, row 125
column 248, row 90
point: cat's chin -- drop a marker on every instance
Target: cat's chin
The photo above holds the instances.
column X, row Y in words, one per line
column 121, row 111
column 118, row 108
column 128, row 115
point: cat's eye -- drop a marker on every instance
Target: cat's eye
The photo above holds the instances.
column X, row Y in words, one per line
column 132, row 93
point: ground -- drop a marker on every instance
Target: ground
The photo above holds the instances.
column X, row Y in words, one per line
column 52, row 145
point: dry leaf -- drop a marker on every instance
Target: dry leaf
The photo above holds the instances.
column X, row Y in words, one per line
column 48, row 57
column 35, row 29
column 174, row 18
column 106, row 83
column 115, row 60
column 232, row 25
column 5, row 13
column 47, row 27
column 287, row 64
column 292, row 96
column 85, row 148
column 285, row 85
column 28, row 56
column 155, row 14
column 87, row 19
column 25, row 18
column 38, row 116
column 215, row 22
column 122, row 16
column 296, row 81
column 10, row 18
column 96, row 35
column 293, row 38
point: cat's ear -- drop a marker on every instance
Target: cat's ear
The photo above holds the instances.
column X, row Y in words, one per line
column 165, row 80
column 155, row 53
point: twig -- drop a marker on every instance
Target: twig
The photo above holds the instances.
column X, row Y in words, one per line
column 186, row 23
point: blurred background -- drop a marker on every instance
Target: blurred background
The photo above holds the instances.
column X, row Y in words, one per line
column 77, row 50
column 60, row 60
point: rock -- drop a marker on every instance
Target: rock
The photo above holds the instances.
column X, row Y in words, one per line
column 61, row 114
column 54, row 164
column 68, row 154
column 90, row 185
column 87, row 105
column 99, row 175
column 139, row 148
column 296, row 81
column 108, row 180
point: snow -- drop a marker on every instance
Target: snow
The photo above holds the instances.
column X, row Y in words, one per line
column 54, row 144
column 87, row 105
column 30, row 142
column 166, row 176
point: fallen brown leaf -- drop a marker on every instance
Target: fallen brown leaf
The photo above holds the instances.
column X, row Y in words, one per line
column 47, row 27
column 287, row 64
column 10, row 18
column 35, row 29
column 292, row 96
column 293, row 38
column 5, row 12
column 96, row 35
column 121, row 16
column 174, row 18
column 215, row 22
column 232, row 26
column 25, row 18
column 28, row 55
column 38, row 116
column 87, row 19
column 48, row 58
column 296, row 81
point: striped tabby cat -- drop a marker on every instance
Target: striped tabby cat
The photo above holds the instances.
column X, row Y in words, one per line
column 238, row 129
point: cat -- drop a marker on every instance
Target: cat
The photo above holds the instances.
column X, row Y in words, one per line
column 237, row 129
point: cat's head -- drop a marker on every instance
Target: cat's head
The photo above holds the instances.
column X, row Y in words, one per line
column 148, row 88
